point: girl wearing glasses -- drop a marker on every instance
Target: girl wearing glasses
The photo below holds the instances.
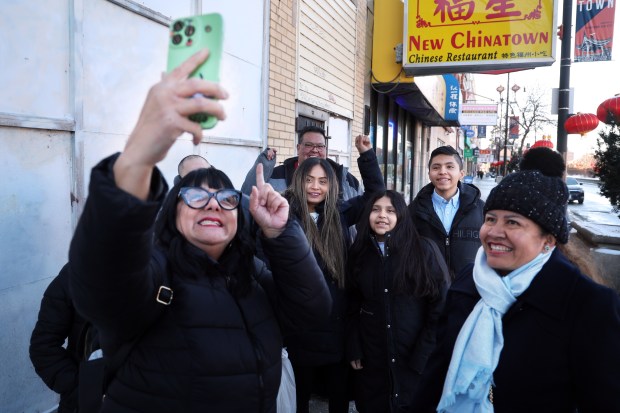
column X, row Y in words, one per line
column 317, row 354
column 201, row 313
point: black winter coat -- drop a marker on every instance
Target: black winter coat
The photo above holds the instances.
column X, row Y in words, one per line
column 561, row 341
column 209, row 350
column 459, row 247
column 392, row 334
column 58, row 321
column 325, row 343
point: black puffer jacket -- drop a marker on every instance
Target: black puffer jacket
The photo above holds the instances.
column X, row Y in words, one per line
column 210, row 349
column 460, row 246
column 58, row 321
column 392, row 334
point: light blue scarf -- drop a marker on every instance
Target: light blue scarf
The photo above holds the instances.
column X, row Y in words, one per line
column 480, row 341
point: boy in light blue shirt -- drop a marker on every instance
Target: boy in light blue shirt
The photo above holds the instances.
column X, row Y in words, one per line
column 448, row 211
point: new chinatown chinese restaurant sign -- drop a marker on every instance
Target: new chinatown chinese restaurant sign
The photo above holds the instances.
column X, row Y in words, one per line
column 450, row 36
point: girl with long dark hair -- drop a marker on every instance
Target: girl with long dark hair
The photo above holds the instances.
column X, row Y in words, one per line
column 398, row 282
column 317, row 353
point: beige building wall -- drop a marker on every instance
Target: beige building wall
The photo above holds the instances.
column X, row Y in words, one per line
column 328, row 85
column 282, row 75
column 362, row 79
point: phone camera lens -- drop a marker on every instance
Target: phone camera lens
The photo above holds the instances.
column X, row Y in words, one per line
column 178, row 25
column 190, row 30
column 176, row 39
column 208, row 29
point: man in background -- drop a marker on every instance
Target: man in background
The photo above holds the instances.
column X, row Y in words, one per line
column 190, row 163
column 311, row 143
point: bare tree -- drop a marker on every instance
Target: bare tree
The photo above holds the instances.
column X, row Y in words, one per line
column 534, row 115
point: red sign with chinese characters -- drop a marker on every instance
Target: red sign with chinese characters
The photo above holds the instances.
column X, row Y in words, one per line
column 447, row 36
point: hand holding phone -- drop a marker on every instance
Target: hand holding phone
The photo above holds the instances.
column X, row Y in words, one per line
column 187, row 36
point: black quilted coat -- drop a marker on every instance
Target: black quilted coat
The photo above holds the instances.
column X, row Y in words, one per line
column 210, row 350
column 393, row 334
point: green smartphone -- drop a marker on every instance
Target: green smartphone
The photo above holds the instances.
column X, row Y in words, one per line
column 189, row 35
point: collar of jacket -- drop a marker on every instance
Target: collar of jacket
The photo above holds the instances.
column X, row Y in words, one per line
column 386, row 245
column 468, row 194
column 549, row 292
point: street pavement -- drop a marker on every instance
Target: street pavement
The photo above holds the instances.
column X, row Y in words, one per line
column 484, row 185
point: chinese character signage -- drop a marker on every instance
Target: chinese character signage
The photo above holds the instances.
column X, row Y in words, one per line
column 448, row 36
column 453, row 90
column 594, row 30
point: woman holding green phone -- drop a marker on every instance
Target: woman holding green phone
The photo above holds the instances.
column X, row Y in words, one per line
column 181, row 284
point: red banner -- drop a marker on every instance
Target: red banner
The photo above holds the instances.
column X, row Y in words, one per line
column 514, row 127
column 594, row 30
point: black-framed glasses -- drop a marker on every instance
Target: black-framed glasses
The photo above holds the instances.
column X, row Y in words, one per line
column 197, row 198
column 311, row 146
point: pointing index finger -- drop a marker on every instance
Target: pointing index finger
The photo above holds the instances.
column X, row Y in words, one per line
column 260, row 179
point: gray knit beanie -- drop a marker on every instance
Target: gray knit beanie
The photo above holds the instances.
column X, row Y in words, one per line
column 541, row 198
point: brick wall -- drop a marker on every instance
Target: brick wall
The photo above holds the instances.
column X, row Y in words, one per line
column 282, row 44
column 282, row 78
column 361, row 77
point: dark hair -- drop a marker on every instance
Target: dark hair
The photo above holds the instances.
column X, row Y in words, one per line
column 326, row 237
column 446, row 150
column 411, row 273
column 310, row 128
column 190, row 262
column 546, row 160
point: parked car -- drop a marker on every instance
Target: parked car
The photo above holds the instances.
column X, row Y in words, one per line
column 575, row 189
column 468, row 179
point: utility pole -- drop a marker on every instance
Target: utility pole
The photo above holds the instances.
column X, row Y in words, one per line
column 564, row 90
column 506, row 126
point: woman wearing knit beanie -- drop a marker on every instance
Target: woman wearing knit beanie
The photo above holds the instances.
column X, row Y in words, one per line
column 523, row 330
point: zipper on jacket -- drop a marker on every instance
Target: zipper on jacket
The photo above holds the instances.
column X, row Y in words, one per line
column 386, row 252
column 260, row 365
column 362, row 311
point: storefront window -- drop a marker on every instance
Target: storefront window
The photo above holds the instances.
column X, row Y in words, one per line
column 390, row 182
column 400, row 153
column 379, row 145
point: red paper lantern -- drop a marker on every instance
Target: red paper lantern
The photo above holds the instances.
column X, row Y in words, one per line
column 609, row 111
column 543, row 143
column 581, row 123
